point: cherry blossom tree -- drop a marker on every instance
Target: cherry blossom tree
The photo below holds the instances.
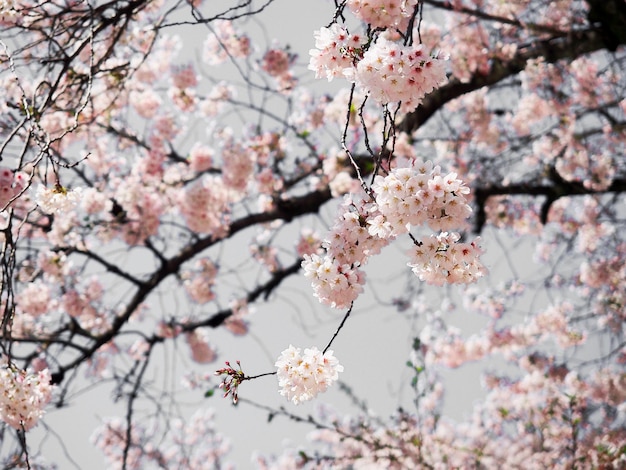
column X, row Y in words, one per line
column 169, row 168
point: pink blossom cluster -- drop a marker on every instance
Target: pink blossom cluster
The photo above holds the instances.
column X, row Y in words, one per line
column 238, row 163
column 112, row 438
column 199, row 283
column 35, row 299
column 384, row 13
column 309, row 243
column 80, row 306
column 178, row 448
column 389, row 71
column 336, row 168
column 24, row 396
column 11, row 185
column 146, row 102
column 265, row 254
column 277, row 62
column 183, row 99
column 336, row 276
column 201, row 350
column 196, row 444
column 58, row 199
column 301, row 376
column 144, row 205
column 408, row 196
column 526, row 422
column 334, row 284
column 452, row 350
column 441, row 259
column 416, row 195
column 393, row 73
column 470, row 43
column 205, row 205
column 521, row 214
column 337, row 53
column 224, row 43
column 200, row 158
column 184, row 76
column 602, row 280
column 193, row 443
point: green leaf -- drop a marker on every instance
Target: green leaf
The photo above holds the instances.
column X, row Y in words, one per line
column 209, row 393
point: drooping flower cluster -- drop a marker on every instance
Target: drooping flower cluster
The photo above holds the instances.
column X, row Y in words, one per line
column 337, row 53
column 302, row 376
column 200, row 283
column 442, row 259
column 205, row 205
column 393, row 73
column 389, row 71
column 201, row 350
column 336, row 275
column 407, row 197
column 24, row 396
column 334, row 284
column 58, row 199
column 277, row 63
column 420, row 194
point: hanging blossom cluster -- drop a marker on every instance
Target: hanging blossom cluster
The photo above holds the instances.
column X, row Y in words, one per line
column 418, row 195
column 57, row 199
column 337, row 53
column 407, row 197
column 301, row 376
column 24, row 396
column 389, row 71
column 336, row 275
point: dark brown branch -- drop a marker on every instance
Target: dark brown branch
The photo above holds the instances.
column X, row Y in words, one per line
column 555, row 189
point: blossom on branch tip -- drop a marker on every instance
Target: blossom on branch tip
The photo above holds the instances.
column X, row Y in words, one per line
column 337, row 53
column 302, row 376
column 24, row 396
column 58, row 199
column 393, row 73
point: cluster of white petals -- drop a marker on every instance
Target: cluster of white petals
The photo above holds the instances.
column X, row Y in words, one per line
column 416, row 195
column 406, row 197
column 301, row 376
column 389, row 71
column 336, row 53
column 334, row 284
column 58, row 199
column 336, row 276
column 393, row 73
column 442, row 259
column 24, row 396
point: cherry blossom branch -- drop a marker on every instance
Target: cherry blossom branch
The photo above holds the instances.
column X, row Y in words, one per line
column 575, row 44
column 552, row 192
column 447, row 5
